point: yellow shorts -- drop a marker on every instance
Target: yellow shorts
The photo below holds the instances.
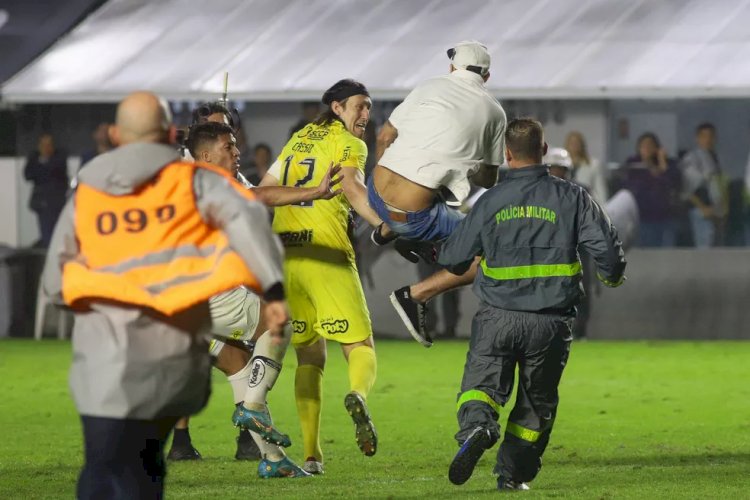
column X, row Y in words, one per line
column 326, row 300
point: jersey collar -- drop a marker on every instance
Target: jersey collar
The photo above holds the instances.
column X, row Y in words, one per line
column 530, row 171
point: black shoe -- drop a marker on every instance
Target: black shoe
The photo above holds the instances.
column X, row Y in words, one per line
column 468, row 455
column 246, row 447
column 503, row 484
column 412, row 313
column 183, row 452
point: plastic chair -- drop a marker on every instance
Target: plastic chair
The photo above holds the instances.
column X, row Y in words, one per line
column 41, row 308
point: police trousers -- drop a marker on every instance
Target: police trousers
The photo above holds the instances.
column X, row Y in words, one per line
column 501, row 340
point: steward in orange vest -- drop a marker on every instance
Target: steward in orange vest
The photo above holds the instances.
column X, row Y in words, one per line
column 151, row 248
column 137, row 251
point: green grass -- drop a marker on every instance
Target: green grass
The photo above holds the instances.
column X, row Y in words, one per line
column 636, row 420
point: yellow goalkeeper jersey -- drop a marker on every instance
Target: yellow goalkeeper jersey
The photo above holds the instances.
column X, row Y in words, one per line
column 304, row 162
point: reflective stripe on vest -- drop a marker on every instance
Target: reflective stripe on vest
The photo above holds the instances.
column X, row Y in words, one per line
column 151, row 248
column 533, row 271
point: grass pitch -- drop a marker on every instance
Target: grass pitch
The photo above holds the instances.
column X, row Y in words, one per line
column 636, row 420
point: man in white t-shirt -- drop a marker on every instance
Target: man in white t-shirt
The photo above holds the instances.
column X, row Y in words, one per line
column 448, row 133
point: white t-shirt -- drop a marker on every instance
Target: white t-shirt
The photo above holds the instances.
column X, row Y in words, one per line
column 446, row 127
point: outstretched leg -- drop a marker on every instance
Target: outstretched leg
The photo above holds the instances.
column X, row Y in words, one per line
column 362, row 373
column 410, row 301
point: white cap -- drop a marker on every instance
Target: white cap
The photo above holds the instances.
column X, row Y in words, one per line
column 470, row 53
column 558, row 157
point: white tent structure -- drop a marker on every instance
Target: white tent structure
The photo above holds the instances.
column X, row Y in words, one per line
column 293, row 49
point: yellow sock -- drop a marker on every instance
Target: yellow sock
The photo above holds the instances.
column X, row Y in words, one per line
column 308, row 391
column 362, row 369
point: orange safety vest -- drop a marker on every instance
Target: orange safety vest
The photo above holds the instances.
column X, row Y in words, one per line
column 151, row 248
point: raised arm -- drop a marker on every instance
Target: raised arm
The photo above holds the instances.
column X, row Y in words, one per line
column 486, row 176
column 353, row 185
column 273, row 195
column 388, row 134
column 464, row 244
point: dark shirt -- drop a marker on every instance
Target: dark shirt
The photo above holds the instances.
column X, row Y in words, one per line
column 655, row 192
column 50, row 180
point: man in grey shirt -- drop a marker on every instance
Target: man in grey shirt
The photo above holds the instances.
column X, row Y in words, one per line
column 706, row 188
column 135, row 370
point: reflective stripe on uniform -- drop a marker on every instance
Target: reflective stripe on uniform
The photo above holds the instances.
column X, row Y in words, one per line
column 611, row 284
column 160, row 257
column 533, row 271
column 152, row 248
column 477, row 395
column 523, row 433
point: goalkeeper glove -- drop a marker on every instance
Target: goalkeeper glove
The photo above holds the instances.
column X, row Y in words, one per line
column 378, row 238
column 412, row 250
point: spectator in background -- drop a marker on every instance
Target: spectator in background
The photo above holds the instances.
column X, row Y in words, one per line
column 310, row 111
column 47, row 169
column 706, row 188
column 587, row 171
column 102, row 144
column 262, row 159
column 654, row 181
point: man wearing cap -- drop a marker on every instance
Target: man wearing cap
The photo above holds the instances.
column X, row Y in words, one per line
column 447, row 133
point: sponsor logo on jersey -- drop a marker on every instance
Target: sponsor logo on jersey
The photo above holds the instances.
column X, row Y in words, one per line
column 296, row 238
column 257, row 374
column 313, row 134
column 347, row 153
column 335, row 326
column 299, row 326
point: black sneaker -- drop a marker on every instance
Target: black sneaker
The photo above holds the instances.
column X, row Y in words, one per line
column 503, row 484
column 246, row 447
column 412, row 313
column 183, row 451
column 468, row 455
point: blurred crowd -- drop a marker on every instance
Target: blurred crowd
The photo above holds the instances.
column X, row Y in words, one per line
column 687, row 201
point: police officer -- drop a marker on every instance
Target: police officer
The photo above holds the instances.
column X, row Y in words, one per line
column 139, row 249
column 526, row 231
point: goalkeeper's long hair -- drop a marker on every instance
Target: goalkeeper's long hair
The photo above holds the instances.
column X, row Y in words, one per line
column 340, row 92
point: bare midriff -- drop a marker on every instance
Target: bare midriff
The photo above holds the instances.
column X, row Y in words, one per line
column 401, row 193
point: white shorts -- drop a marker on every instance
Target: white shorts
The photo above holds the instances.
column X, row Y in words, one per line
column 234, row 315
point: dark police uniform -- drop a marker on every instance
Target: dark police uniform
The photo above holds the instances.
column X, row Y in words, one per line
column 527, row 230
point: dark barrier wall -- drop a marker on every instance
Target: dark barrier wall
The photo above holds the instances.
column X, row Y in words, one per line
column 677, row 294
column 669, row 294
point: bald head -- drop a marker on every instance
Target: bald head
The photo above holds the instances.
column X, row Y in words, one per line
column 142, row 117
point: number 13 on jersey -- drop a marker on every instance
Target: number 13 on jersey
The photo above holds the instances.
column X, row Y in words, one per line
column 307, row 162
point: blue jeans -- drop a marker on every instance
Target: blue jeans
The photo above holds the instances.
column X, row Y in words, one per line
column 657, row 234
column 704, row 230
column 431, row 224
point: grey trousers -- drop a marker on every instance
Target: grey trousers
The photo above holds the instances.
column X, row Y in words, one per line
column 501, row 340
